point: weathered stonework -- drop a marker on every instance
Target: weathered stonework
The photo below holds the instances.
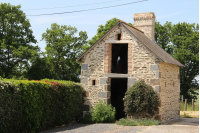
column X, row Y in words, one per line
column 142, row 65
column 169, row 91
column 146, row 23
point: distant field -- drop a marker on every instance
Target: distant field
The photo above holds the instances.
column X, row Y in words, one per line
column 189, row 106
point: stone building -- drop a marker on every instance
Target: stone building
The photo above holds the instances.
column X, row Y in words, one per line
column 124, row 55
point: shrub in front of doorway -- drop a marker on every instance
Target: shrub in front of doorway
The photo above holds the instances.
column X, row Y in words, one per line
column 141, row 101
column 101, row 113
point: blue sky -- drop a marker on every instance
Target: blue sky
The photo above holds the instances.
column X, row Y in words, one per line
column 174, row 11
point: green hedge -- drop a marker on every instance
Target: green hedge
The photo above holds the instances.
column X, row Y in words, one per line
column 29, row 106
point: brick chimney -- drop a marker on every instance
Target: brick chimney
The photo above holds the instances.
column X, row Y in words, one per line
column 146, row 23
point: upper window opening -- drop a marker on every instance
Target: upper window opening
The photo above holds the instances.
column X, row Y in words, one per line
column 93, row 82
column 118, row 36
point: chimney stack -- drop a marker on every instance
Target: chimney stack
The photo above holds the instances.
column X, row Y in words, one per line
column 146, row 23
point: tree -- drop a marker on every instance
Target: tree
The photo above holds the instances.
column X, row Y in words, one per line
column 103, row 29
column 15, row 39
column 162, row 36
column 40, row 68
column 182, row 42
column 185, row 39
column 62, row 49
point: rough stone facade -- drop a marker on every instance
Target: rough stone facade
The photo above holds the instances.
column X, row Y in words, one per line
column 169, row 90
column 142, row 64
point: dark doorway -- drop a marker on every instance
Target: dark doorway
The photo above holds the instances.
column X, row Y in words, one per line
column 120, row 58
column 118, row 89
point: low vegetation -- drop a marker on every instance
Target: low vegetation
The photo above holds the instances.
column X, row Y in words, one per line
column 101, row 113
column 189, row 107
column 137, row 122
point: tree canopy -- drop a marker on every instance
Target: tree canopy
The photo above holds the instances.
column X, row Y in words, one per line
column 15, row 39
column 103, row 29
column 62, row 49
column 182, row 42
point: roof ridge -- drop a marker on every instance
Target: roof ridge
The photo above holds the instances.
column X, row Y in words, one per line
column 130, row 25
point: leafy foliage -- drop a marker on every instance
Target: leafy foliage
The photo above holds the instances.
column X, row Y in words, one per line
column 101, row 113
column 141, row 100
column 102, row 30
column 15, row 40
column 182, row 42
column 35, row 105
column 62, row 49
column 10, row 110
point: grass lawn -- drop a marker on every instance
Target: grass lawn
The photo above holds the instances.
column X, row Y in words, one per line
column 189, row 106
column 137, row 122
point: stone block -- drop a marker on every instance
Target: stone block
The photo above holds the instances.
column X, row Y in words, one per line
column 132, row 81
column 84, row 80
column 84, row 66
column 107, row 87
column 157, row 89
column 154, row 67
column 116, row 75
column 128, row 86
column 103, row 94
column 103, row 81
column 154, row 82
column 158, row 74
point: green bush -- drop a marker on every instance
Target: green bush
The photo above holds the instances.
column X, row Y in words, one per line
column 37, row 105
column 101, row 113
column 141, row 101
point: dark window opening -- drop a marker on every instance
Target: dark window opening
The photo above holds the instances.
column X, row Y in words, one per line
column 118, row 36
column 93, row 82
column 119, row 58
column 118, row 89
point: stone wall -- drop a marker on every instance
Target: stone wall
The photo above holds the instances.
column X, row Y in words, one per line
column 96, row 66
column 142, row 64
column 169, row 91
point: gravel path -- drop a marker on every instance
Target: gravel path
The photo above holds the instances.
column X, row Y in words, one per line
column 97, row 128
column 182, row 125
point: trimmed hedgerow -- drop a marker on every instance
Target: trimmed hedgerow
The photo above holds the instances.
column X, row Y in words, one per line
column 141, row 101
column 36, row 105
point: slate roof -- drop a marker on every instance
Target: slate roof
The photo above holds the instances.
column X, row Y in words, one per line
column 161, row 54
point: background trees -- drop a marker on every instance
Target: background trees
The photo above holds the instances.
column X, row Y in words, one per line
column 62, row 49
column 15, row 40
column 182, row 42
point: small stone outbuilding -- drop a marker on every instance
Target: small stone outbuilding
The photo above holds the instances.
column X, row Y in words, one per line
column 124, row 55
